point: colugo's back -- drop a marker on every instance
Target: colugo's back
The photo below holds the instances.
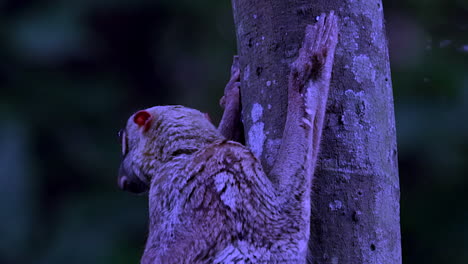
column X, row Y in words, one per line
column 209, row 199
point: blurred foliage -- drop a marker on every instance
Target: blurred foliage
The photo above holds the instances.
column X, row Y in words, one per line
column 429, row 54
column 73, row 71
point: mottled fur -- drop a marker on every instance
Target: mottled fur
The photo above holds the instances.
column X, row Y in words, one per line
column 210, row 200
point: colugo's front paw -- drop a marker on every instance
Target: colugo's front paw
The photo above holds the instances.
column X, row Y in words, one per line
column 317, row 51
column 230, row 125
column 232, row 90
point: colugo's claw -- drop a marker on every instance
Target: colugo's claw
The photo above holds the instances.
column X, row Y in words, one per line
column 222, row 102
column 231, row 92
column 235, row 68
column 317, row 50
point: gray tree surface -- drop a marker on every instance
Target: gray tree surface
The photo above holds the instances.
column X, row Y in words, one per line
column 355, row 214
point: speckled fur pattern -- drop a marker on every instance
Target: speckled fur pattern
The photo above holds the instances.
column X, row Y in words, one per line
column 209, row 199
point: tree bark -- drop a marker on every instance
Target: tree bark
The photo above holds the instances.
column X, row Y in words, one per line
column 355, row 199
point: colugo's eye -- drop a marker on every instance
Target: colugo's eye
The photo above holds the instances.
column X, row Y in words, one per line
column 123, row 141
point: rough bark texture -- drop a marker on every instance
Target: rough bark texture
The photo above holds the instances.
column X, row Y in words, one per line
column 355, row 214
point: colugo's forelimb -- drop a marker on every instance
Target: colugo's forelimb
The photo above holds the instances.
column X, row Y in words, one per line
column 308, row 87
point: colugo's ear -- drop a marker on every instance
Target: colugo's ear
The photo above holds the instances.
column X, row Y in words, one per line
column 143, row 119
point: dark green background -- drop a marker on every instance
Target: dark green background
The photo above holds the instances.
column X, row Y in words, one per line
column 71, row 72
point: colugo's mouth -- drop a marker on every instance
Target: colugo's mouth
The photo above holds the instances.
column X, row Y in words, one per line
column 130, row 182
column 123, row 182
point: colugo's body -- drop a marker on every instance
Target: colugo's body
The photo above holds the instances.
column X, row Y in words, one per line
column 209, row 199
column 208, row 196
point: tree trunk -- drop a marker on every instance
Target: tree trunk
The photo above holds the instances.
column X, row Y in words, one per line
column 355, row 201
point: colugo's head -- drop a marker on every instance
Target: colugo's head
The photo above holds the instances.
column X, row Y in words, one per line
column 157, row 135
